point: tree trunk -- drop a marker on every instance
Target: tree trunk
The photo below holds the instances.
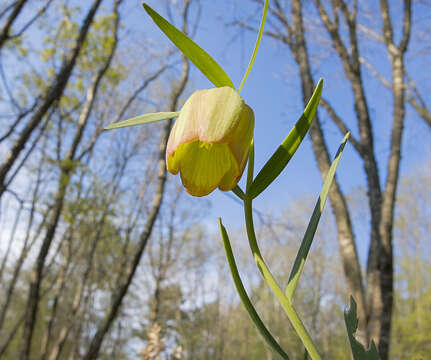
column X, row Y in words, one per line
column 123, row 286
column 396, row 56
column 346, row 241
column 66, row 172
column 53, row 93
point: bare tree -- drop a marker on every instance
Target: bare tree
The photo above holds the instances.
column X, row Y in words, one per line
column 292, row 33
column 15, row 10
column 382, row 200
column 53, row 93
column 396, row 54
column 413, row 96
column 131, row 266
column 339, row 18
column 66, row 171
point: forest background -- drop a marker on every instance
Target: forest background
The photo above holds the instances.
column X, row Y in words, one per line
column 104, row 255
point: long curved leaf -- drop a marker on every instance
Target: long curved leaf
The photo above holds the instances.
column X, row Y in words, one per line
column 244, row 297
column 143, row 119
column 198, row 56
column 298, row 265
column 290, row 144
column 256, row 46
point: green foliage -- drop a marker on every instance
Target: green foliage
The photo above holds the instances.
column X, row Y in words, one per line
column 359, row 353
column 203, row 61
column 205, row 318
column 312, row 226
column 143, row 119
column 95, row 50
column 281, row 157
column 256, row 47
column 278, row 161
column 410, row 337
column 244, row 297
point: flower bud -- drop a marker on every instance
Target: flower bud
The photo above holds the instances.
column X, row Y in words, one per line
column 210, row 141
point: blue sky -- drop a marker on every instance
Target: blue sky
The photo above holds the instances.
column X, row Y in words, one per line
column 273, row 91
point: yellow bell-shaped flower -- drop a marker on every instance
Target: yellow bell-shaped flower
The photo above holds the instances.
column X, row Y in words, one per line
column 210, row 141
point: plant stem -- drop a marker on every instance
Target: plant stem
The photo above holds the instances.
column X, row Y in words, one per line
column 244, row 297
column 250, row 166
column 285, row 303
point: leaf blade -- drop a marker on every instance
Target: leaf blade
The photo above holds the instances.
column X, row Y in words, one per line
column 143, row 119
column 358, row 351
column 244, row 297
column 304, row 248
column 256, row 46
column 281, row 157
column 198, row 56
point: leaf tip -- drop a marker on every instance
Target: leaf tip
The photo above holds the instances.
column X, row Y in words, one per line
column 352, row 304
column 146, row 7
column 222, row 230
column 319, row 85
column 346, row 137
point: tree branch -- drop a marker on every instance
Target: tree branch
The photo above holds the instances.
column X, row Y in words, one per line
column 341, row 125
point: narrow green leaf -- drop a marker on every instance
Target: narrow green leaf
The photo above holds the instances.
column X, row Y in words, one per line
column 256, row 46
column 290, row 144
column 143, row 119
column 312, row 225
column 358, row 351
column 238, row 192
column 198, row 56
column 244, row 297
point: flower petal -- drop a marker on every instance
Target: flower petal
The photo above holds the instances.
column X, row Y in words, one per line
column 220, row 111
column 231, row 178
column 241, row 138
column 208, row 115
column 202, row 166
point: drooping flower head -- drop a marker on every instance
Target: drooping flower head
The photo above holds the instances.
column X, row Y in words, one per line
column 210, row 141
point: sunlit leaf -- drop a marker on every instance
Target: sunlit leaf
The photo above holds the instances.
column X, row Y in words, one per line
column 198, row 56
column 298, row 265
column 358, row 351
column 288, row 147
column 244, row 297
column 256, row 46
column 143, row 119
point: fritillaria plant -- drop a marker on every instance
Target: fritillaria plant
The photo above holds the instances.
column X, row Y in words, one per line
column 210, row 144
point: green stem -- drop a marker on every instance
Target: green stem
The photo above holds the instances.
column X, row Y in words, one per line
column 285, row 303
column 250, row 166
column 244, row 297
